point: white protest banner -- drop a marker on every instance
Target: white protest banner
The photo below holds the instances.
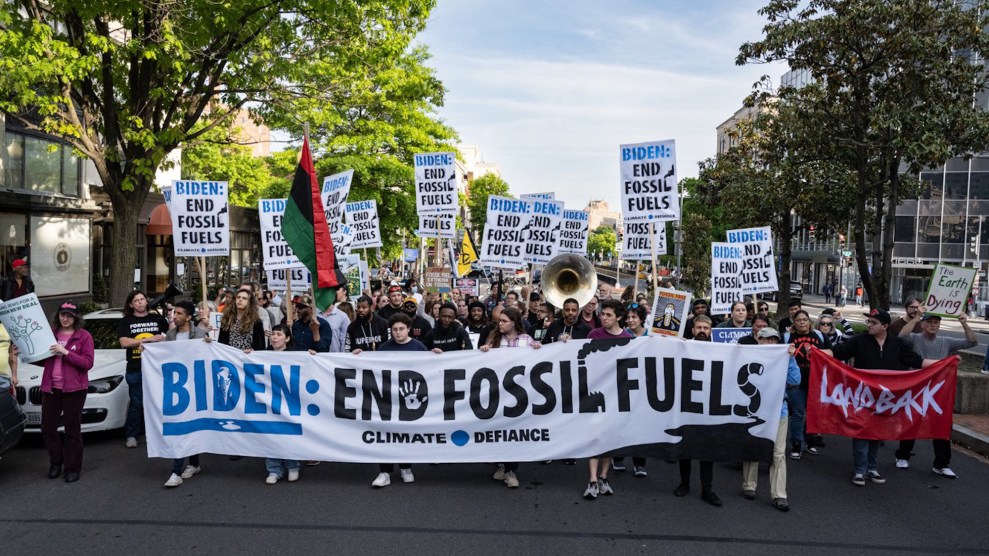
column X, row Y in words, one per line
column 436, row 183
column 362, row 216
column 758, row 269
column 166, row 192
column 28, row 327
column 542, row 233
column 467, row 286
column 669, row 312
column 573, row 233
column 551, row 196
column 948, row 293
column 726, row 287
column 200, row 219
column 575, row 399
column 277, row 253
column 343, row 239
column 649, row 181
column 334, row 197
column 729, row 335
column 438, row 225
column 636, row 244
column 501, row 244
column 277, row 279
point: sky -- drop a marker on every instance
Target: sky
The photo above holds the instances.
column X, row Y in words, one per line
column 549, row 89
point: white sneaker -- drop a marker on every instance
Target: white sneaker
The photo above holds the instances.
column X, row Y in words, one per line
column 173, row 481
column 191, row 470
column 272, row 479
column 499, row 474
column 131, row 442
column 407, row 476
column 944, row 472
column 293, row 475
column 902, row 464
column 382, row 480
column 511, row 481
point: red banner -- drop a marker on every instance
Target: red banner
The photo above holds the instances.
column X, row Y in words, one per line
column 880, row 405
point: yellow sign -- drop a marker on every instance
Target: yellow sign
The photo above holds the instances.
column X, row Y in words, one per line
column 467, row 255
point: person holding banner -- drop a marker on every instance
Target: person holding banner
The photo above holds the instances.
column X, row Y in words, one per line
column 240, row 326
column 635, row 318
column 448, row 334
column 802, row 337
column 701, row 333
column 309, row 331
column 874, row 350
column 183, row 318
column 64, row 385
column 509, row 332
column 136, row 328
column 8, row 356
column 278, row 468
column 698, row 308
column 568, row 326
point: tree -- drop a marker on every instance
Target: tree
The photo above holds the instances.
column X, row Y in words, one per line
column 126, row 82
column 893, row 85
column 602, row 241
column 477, row 200
column 217, row 156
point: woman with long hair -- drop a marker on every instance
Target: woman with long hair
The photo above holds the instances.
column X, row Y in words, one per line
column 63, row 391
column 240, row 326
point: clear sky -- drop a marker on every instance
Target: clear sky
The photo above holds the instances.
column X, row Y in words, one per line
column 549, row 89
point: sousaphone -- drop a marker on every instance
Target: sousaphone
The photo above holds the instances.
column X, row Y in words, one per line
column 569, row 276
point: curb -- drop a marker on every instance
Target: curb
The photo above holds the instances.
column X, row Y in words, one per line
column 971, row 439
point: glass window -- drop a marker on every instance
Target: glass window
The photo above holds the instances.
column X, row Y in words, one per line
column 953, row 230
column 70, row 172
column 929, row 229
column 935, row 181
column 14, row 177
column 906, row 229
column 980, row 185
column 42, row 168
column 955, row 185
column 929, row 208
column 956, row 165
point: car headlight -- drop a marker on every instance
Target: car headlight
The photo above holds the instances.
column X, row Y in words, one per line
column 104, row 385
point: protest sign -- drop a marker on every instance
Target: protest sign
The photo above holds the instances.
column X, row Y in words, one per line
column 438, row 225
column 649, row 182
column 343, row 239
column 948, row 293
column 502, row 242
column 200, row 219
column 436, row 279
column 350, row 266
column 436, row 183
column 574, row 231
column 757, row 272
column 166, row 192
column 726, row 286
column 550, row 196
column 410, row 255
column 636, row 245
column 334, row 197
column 729, row 335
column 28, row 327
column 362, row 217
column 277, row 279
column 700, row 400
column 215, row 322
column 669, row 312
column 277, row 253
column 542, row 233
column 467, row 286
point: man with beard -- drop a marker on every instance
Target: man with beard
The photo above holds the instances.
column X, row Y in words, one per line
column 477, row 318
column 569, row 326
column 448, row 334
column 420, row 326
column 697, row 308
column 309, row 331
column 395, row 298
column 368, row 330
column 701, row 333
column 912, row 318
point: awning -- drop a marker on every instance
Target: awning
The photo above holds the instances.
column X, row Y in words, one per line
column 160, row 222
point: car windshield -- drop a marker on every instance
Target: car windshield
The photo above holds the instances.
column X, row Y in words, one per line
column 104, row 333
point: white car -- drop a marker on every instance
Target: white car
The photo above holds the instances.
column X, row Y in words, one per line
column 106, row 402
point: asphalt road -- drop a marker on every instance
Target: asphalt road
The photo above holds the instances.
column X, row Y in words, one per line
column 120, row 507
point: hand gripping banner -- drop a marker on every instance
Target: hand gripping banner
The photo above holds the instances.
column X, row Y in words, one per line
column 880, row 405
column 647, row 396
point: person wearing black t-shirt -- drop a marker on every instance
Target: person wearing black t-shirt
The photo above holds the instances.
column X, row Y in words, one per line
column 569, row 326
column 136, row 328
column 448, row 334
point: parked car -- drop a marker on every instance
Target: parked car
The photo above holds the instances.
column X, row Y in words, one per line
column 12, row 418
column 796, row 292
column 106, row 400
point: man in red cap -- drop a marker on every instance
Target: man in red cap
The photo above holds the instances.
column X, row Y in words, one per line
column 19, row 282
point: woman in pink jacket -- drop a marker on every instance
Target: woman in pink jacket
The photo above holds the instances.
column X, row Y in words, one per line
column 63, row 391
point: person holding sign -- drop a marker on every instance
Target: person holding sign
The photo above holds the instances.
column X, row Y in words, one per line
column 278, row 468
column 8, row 356
column 64, row 385
column 136, row 328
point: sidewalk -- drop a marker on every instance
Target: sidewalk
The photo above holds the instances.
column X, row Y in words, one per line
column 972, row 431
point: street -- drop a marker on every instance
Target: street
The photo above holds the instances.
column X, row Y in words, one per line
column 120, row 506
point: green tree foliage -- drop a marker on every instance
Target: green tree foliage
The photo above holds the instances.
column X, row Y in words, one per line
column 702, row 222
column 218, row 156
column 601, row 241
column 126, row 82
column 893, row 84
column 477, row 201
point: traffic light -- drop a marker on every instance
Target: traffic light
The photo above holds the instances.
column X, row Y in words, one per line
column 841, row 242
column 812, row 232
column 973, row 243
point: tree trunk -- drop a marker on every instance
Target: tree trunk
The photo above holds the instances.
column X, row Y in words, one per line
column 889, row 227
column 123, row 258
column 786, row 254
column 861, row 258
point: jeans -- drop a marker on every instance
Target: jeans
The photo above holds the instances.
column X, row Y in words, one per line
column 66, row 406
column 135, row 409
column 942, row 452
column 865, row 455
column 796, row 399
column 280, row 466
column 178, row 464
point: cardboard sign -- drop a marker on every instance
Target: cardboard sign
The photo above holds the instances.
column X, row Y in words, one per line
column 542, row 234
column 758, row 268
column 649, row 182
column 729, row 335
column 502, row 245
column 436, row 279
column 362, row 216
column 574, row 232
column 200, row 219
column 334, row 197
column 948, row 293
column 28, row 327
column 436, row 183
column 277, row 253
column 726, row 286
column 669, row 312
column 438, row 225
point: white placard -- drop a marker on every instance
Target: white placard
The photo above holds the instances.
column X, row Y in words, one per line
column 166, row 192
column 200, row 219
column 334, row 197
column 948, row 294
column 277, row 253
column 726, row 285
column 28, row 327
column 442, row 225
column 502, row 242
column 550, row 196
column 436, row 183
column 574, row 231
column 278, row 283
column 649, row 181
column 542, row 233
column 636, row 240
column 343, row 240
column 362, row 217
column 758, row 270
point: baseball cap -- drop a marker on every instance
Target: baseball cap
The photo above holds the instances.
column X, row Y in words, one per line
column 768, row 333
column 394, row 288
column 878, row 314
column 928, row 316
column 69, row 307
column 301, row 300
column 17, row 263
column 411, row 300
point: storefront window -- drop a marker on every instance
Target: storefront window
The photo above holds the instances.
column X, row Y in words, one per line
column 40, row 165
column 14, row 176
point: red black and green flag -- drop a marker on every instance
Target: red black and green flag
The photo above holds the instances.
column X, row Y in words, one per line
column 306, row 232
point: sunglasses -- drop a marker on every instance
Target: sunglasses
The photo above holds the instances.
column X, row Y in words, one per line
column 825, row 323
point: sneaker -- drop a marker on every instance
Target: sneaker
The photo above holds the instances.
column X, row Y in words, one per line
column 312, row 463
column 711, row 498
column 407, row 476
column 640, row 471
column 604, row 487
column 781, row 504
column 511, row 481
column 499, row 474
column 944, row 472
column 795, row 455
column 812, row 451
column 681, row 490
column 191, row 470
column 748, row 494
column 382, row 480
column 858, row 480
column 902, row 463
column 293, row 475
column 618, row 464
column 173, row 481
column 591, row 492
column 131, row 442
column 984, row 371
column 875, row 477
column 272, row 479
